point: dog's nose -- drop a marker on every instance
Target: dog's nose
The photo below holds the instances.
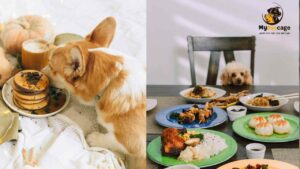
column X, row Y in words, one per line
column 239, row 81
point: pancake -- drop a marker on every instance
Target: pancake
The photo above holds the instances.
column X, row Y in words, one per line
column 20, row 100
column 28, row 97
column 36, row 106
column 30, row 81
column 25, row 92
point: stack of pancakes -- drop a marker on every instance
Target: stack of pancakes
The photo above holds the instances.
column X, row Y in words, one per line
column 30, row 90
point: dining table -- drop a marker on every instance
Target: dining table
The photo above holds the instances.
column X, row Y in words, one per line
column 168, row 95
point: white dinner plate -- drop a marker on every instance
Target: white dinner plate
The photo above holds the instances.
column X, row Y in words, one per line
column 7, row 94
column 296, row 106
column 219, row 93
column 150, row 104
column 244, row 100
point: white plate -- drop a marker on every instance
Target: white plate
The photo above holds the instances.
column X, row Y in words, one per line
column 150, row 104
column 296, row 106
column 244, row 100
column 8, row 99
column 219, row 93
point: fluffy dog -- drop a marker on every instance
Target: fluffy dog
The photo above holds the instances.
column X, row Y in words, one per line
column 236, row 74
column 115, row 83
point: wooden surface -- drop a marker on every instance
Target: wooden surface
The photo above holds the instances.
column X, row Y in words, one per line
column 169, row 95
column 222, row 43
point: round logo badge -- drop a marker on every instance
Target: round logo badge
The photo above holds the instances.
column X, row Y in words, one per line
column 273, row 15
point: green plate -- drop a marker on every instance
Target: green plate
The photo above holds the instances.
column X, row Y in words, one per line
column 240, row 126
column 154, row 152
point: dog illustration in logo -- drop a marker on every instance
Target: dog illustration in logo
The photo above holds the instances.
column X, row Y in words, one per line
column 273, row 16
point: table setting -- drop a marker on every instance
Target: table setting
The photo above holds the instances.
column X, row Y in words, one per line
column 256, row 145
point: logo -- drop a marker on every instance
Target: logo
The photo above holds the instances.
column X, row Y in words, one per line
column 272, row 16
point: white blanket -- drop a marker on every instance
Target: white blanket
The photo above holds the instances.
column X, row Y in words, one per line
column 59, row 143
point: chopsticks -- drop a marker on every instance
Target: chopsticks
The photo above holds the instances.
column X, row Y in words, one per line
column 287, row 96
column 292, row 94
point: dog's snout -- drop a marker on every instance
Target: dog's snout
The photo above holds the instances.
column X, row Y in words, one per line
column 239, row 81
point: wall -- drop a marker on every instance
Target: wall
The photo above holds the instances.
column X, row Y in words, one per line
column 170, row 21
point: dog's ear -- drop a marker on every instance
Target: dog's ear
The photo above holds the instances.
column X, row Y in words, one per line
column 248, row 78
column 76, row 64
column 225, row 79
column 104, row 33
column 271, row 10
column 51, row 50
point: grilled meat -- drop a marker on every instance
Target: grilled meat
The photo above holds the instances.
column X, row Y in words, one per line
column 172, row 143
column 186, row 118
column 195, row 113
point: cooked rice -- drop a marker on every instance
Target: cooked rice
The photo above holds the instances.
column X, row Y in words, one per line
column 210, row 146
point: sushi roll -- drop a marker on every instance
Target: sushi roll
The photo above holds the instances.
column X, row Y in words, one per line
column 264, row 129
column 275, row 117
column 256, row 120
column 282, row 127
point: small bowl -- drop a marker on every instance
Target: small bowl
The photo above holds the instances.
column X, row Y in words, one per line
column 256, row 151
column 185, row 166
column 235, row 112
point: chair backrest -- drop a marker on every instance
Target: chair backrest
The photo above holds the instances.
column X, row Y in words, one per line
column 217, row 45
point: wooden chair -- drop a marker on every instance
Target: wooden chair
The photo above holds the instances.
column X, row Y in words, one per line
column 216, row 45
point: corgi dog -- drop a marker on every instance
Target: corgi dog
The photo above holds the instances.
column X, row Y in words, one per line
column 111, row 81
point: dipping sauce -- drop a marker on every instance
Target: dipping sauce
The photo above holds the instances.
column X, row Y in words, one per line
column 256, row 149
column 237, row 110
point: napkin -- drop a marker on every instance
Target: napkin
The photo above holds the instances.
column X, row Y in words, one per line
column 3, row 108
column 9, row 123
column 288, row 155
column 9, row 126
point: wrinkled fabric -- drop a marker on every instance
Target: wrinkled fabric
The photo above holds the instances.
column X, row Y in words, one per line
column 58, row 143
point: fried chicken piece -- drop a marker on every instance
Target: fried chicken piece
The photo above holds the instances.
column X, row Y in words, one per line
column 172, row 143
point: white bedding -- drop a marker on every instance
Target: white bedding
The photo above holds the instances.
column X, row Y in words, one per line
column 58, row 143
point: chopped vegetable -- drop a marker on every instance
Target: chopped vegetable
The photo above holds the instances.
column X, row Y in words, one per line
column 174, row 115
column 200, row 136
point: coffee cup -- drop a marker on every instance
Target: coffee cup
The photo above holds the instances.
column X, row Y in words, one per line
column 35, row 54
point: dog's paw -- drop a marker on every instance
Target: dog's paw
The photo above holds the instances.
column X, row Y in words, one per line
column 94, row 139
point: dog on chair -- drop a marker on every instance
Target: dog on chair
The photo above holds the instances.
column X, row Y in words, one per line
column 236, row 74
column 111, row 81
